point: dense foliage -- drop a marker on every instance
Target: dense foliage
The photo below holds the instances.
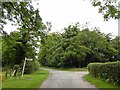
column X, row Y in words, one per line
column 116, row 44
column 77, row 48
column 23, row 42
column 32, row 67
column 109, row 71
column 73, row 48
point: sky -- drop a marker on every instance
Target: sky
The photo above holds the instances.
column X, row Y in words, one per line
column 62, row 13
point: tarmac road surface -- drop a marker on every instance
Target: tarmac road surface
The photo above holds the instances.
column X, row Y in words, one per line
column 66, row 79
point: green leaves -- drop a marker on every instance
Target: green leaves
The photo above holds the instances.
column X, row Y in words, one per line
column 96, row 3
column 109, row 71
column 75, row 48
column 107, row 9
column 24, row 42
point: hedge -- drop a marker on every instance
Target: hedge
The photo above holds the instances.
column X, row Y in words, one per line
column 110, row 71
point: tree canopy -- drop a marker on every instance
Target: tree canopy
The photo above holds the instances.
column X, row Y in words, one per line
column 76, row 48
column 21, row 43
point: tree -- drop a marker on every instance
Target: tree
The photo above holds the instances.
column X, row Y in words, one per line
column 48, row 44
column 116, row 45
column 76, row 48
column 14, row 50
column 108, row 8
column 8, row 50
column 26, row 17
column 102, row 49
column 23, row 42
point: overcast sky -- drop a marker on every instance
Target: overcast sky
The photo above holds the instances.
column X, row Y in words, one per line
column 62, row 13
column 65, row 12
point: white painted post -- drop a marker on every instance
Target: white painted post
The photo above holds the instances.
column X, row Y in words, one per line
column 23, row 67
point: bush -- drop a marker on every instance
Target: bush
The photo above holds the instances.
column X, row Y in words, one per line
column 29, row 67
column 109, row 71
column 37, row 66
column 16, row 68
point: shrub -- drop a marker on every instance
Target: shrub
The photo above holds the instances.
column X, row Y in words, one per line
column 37, row 66
column 29, row 67
column 110, row 71
column 16, row 68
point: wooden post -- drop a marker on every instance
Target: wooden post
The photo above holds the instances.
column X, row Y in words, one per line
column 23, row 67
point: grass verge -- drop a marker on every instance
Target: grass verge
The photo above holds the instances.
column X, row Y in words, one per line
column 0, row 75
column 28, row 81
column 99, row 83
column 67, row 69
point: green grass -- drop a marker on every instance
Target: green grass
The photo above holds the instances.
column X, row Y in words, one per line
column 0, row 75
column 67, row 69
column 99, row 83
column 28, row 81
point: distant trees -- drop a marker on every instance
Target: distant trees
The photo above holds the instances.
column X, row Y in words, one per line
column 76, row 48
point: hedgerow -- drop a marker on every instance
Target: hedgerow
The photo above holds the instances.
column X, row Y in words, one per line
column 110, row 71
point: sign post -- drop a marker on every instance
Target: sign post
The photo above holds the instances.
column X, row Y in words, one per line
column 24, row 65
